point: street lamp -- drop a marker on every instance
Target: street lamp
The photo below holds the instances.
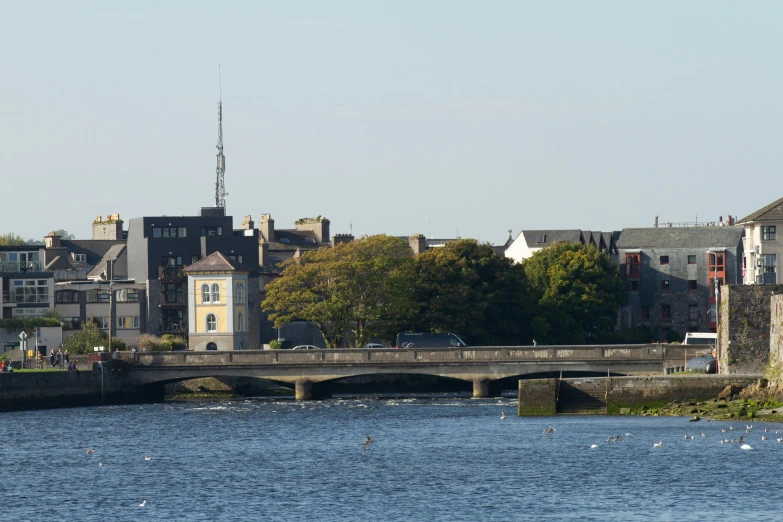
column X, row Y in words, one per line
column 110, row 276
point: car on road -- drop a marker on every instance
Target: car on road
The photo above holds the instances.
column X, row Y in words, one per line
column 306, row 347
column 374, row 345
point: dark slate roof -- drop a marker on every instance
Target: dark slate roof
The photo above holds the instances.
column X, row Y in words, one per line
column 772, row 212
column 295, row 238
column 217, row 262
column 120, row 266
column 95, row 249
column 60, row 263
column 551, row 236
column 680, row 237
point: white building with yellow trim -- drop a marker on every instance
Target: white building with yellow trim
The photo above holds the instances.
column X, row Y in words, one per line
column 217, row 304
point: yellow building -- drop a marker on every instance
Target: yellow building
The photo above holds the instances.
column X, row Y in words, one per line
column 217, row 304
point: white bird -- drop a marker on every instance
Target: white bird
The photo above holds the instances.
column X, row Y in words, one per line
column 658, row 444
column 702, row 434
column 689, row 437
column 780, row 439
column 764, row 437
column 502, row 416
column 593, row 446
column 723, row 430
column 147, row 458
column 749, row 427
column 143, row 503
column 746, row 447
column 549, row 430
column 100, row 464
column 731, row 427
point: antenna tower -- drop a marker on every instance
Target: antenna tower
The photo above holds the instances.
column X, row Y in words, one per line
column 220, row 183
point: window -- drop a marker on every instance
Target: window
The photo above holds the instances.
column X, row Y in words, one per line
column 634, row 286
column 67, row 296
column 645, row 313
column 666, row 312
column 240, row 324
column 215, row 293
column 240, row 293
column 664, row 260
column 717, row 260
column 211, row 323
column 80, row 258
column 194, row 259
column 30, row 291
column 664, row 285
column 541, row 239
column 126, row 295
column 101, row 322
column 693, row 312
column 236, row 257
column 125, row 323
column 172, row 293
column 632, row 262
column 71, row 323
column 768, row 233
column 171, row 261
column 692, row 285
column 169, row 232
column 205, row 293
column 211, row 231
column 692, row 259
column 768, row 263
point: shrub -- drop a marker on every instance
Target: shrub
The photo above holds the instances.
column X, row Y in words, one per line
column 274, row 344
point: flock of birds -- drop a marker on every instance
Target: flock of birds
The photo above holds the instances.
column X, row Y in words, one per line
column 91, row 451
column 737, row 440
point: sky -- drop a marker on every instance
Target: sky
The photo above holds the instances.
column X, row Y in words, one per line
column 440, row 117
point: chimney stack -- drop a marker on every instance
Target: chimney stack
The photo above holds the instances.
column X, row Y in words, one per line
column 266, row 227
column 247, row 223
column 656, row 221
column 418, row 243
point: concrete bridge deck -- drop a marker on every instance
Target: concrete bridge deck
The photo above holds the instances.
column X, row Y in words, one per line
column 309, row 369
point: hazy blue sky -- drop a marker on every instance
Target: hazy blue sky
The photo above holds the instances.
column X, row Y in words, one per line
column 477, row 116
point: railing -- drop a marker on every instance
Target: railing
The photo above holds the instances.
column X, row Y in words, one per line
column 21, row 266
column 174, row 327
column 166, row 299
column 13, row 297
column 170, row 271
column 487, row 354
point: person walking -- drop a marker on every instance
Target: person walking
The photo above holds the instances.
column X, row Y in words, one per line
column 535, row 343
column 66, row 357
column 51, row 358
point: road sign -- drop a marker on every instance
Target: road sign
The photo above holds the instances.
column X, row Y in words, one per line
column 23, row 335
column 37, row 332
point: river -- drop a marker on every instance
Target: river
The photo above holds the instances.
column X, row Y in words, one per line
column 434, row 458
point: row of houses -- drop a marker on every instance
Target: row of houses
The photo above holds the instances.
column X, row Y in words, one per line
column 671, row 270
column 200, row 278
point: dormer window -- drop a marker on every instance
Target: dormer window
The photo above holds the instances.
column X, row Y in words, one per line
column 541, row 239
column 80, row 258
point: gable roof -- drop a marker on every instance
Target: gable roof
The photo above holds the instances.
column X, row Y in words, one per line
column 284, row 239
column 94, row 249
column 680, row 237
column 217, row 262
column 120, row 266
column 59, row 263
column 542, row 238
column 772, row 212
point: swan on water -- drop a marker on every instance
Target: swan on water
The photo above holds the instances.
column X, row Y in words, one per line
column 746, row 447
column 658, row 444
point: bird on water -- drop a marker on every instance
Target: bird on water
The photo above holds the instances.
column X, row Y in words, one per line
column 502, row 416
column 746, row 447
column 90, row 451
column 658, row 444
column 368, row 442
column 143, row 502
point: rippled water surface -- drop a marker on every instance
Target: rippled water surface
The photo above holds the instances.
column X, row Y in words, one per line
column 442, row 458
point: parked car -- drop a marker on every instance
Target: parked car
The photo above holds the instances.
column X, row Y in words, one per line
column 305, row 347
column 702, row 364
column 429, row 340
column 374, row 345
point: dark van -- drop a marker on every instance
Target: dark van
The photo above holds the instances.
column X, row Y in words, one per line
column 428, row 340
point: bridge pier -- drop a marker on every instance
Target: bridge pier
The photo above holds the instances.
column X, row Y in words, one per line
column 483, row 390
column 307, row 390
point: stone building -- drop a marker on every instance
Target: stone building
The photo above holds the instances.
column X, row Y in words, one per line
column 669, row 273
column 747, row 325
column 763, row 249
column 776, row 331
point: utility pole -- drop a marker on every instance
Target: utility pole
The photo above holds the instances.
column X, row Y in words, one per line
column 220, row 183
column 110, row 275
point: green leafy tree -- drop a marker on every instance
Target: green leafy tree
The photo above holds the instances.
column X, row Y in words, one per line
column 64, row 234
column 578, row 291
column 11, row 239
column 467, row 289
column 85, row 340
column 351, row 292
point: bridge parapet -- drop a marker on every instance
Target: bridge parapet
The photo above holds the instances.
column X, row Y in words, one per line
column 486, row 354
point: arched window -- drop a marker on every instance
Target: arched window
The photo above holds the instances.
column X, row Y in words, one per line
column 211, row 323
column 215, row 293
column 205, row 293
column 240, row 293
column 240, row 326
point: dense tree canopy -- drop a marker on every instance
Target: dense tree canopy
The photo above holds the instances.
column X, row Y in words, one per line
column 354, row 288
column 467, row 289
column 578, row 292
column 11, row 239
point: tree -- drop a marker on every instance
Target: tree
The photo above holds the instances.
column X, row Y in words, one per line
column 85, row 340
column 578, row 291
column 11, row 239
column 351, row 291
column 64, row 234
column 467, row 289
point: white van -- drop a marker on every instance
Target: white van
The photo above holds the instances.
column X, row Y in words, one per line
column 692, row 338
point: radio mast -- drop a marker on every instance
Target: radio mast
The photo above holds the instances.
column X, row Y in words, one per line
column 220, row 184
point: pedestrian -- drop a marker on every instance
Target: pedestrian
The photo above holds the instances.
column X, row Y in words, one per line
column 58, row 360
column 51, row 358
column 66, row 357
column 535, row 343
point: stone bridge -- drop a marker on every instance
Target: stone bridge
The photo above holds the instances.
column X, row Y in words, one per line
column 308, row 370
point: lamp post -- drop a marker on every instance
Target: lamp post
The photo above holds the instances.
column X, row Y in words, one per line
column 110, row 276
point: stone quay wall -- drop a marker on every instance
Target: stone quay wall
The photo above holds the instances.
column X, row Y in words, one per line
column 744, row 330
column 614, row 394
column 61, row 389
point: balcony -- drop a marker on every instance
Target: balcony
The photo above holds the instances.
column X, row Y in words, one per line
column 174, row 327
column 172, row 300
column 170, row 272
column 21, row 266
column 13, row 297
